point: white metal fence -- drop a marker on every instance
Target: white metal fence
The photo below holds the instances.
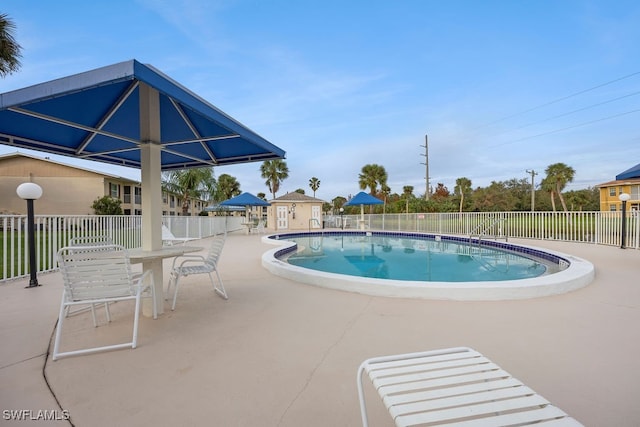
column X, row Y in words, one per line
column 604, row 228
column 54, row 232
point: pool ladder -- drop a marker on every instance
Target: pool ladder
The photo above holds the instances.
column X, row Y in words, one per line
column 315, row 220
column 482, row 230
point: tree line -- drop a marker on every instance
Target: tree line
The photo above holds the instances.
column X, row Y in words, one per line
column 511, row 195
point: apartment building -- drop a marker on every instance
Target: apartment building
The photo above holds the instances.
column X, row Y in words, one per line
column 626, row 182
column 71, row 190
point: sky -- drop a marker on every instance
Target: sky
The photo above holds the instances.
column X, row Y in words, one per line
column 499, row 88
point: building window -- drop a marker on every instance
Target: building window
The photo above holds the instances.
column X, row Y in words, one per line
column 612, row 208
column 127, row 194
column 620, row 190
column 138, row 211
column 635, row 192
column 127, row 211
column 114, row 190
column 164, row 198
column 173, row 202
column 612, row 191
column 138, row 195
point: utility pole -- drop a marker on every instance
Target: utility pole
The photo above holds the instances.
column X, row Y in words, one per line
column 533, row 188
column 426, row 163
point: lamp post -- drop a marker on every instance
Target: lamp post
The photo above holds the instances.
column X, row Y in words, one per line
column 30, row 192
column 342, row 218
column 624, row 197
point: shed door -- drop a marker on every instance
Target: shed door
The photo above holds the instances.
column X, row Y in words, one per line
column 282, row 218
column 315, row 216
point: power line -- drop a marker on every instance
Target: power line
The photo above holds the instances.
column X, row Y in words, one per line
column 555, row 101
column 579, row 109
column 565, row 128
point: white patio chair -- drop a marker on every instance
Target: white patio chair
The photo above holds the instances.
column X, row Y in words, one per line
column 99, row 240
column 93, row 276
column 94, row 242
column 259, row 228
column 169, row 239
column 186, row 265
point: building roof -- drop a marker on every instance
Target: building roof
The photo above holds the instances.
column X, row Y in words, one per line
column 298, row 198
column 19, row 154
column 631, row 181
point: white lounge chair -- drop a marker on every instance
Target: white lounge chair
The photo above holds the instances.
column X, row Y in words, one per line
column 93, row 276
column 169, row 239
column 454, row 386
column 186, row 265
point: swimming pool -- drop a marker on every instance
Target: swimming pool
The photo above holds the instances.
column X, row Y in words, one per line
column 357, row 261
column 417, row 258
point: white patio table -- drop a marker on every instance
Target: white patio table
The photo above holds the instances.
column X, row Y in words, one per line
column 149, row 259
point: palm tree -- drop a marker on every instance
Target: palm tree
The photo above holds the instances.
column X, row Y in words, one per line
column 9, row 49
column 407, row 193
column 228, row 187
column 372, row 176
column 197, row 183
column 559, row 175
column 463, row 185
column 385, row 190
column 314, row 183
column 274, row 171
column 547, row 185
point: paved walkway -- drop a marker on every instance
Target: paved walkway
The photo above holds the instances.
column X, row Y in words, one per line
column 280, row 353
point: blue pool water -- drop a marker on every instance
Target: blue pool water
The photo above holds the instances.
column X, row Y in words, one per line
column 413, row 258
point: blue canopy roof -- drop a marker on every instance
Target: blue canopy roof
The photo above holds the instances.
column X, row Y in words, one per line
column 96, row 115
column 245, row 199
column 633, row 172
column 363, row 198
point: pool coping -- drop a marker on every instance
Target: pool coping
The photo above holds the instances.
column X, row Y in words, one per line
column 578, row 274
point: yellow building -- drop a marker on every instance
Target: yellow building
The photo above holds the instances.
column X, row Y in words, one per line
column 295, row 211
column 627, row 182
column 71, row 190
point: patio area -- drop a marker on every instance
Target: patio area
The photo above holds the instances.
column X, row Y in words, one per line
column 281, row 353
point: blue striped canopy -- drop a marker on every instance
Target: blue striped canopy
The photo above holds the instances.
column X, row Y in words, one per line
column 633, row 172
column 97, row 115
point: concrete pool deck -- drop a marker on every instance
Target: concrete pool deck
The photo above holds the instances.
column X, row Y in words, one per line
column 281, row 353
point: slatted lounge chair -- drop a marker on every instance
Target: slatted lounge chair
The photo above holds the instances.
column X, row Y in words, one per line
column 93, row 276
column 169, row 239
column 455, row 386
column 186, row 265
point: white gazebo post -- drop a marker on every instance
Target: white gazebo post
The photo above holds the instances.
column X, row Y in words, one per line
column 151, row 174
column 30, row 191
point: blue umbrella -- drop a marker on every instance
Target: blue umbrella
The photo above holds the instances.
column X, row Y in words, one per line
column 245, row 199
column 362, row 199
